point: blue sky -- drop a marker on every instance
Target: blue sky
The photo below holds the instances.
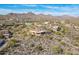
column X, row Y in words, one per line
column 53, row 9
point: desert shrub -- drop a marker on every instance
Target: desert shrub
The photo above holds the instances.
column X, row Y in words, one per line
column 59, row 29
column 57, row 50
column 39, row 48
column 59, row 40
column 76, row 44
column 1, row 36
column 68, row 53
column 12, row 42
column 49, row 36
column 76, row 41
column 62, row 43
column 32, row 45
column 65, row 30
column 58, row 33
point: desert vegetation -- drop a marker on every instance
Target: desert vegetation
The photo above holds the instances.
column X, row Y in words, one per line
column 31, row 34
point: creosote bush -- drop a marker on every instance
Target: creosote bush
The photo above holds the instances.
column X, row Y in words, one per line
column 62, row 43
column 57, row 50
column 1, row 36
column 59, row 29
column 76, row 41
column 12, row 42
column 39, row 48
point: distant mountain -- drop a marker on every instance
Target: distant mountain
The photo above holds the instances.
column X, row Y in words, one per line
column 33, row 17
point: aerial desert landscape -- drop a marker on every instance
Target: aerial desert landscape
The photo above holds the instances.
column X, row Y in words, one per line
column 39, row 34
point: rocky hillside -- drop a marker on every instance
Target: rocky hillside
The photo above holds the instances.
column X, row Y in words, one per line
column 31, row 34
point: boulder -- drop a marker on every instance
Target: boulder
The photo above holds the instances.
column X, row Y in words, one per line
column 2, row 42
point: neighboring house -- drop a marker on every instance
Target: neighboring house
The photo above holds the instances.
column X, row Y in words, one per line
column 38, row 32
column 55, row 27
